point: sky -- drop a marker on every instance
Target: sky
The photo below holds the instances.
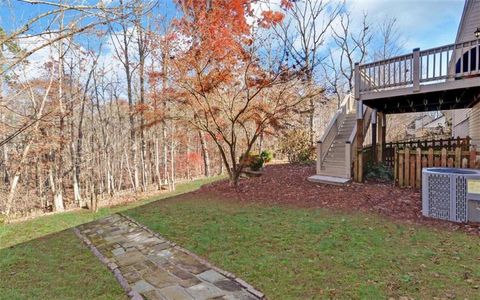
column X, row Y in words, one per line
column 422, row 23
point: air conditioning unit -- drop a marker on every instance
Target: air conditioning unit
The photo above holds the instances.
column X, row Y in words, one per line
column 444, row 193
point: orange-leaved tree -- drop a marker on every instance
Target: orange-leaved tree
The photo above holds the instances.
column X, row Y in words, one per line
column 228, row 80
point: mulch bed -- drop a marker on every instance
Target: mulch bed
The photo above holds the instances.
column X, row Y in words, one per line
column 287, row 185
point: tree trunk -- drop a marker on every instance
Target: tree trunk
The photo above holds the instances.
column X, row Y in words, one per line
column 205, row 154
column 157, row 166
column 172, row 158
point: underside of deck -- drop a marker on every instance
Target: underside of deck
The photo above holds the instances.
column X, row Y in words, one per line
column 458, row 94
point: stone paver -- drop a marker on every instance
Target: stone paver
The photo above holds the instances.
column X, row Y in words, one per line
column 148, row 266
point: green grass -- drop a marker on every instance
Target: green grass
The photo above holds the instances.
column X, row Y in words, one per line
column 56, row 266
column 288, row 253
column 14, row 233
column 40, row 259
column 302, row 254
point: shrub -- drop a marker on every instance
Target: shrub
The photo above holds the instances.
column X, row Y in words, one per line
column 266, row 156
column 295, row 144
column 253, row 161
column 379, row 171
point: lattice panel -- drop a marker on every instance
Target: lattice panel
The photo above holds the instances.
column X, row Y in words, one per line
column 439, row 196
column 461, row 199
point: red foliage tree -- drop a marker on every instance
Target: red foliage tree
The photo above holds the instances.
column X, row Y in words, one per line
column 225, row 84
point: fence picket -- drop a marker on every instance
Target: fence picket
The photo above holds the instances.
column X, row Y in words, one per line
column 400, row 170
column 424, row 162
column 418, row 168
column 430, row 157
column 473, row 157
column 395, row 168
column 407, row 166
column 450, row 162
column 464, row 163
column 443, row 157
column 458, row 157
column 412, row 171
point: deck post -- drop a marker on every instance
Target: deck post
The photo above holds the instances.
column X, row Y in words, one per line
column 356, row 86
column 358, row 176
column 319, row 157
column 416, row 70
column 381, row 133
column 374, row 135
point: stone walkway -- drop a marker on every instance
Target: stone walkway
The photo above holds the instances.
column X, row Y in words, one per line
column 148, row 266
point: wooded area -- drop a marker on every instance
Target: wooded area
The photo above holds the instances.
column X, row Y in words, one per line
column 131, row 95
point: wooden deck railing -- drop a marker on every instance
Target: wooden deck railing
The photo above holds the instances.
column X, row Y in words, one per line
column 420, row 67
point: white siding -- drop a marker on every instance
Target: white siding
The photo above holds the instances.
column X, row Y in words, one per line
column 460, row 122
column 469, row 22
column 474, row 125
column 461, row 130
column 467, row 121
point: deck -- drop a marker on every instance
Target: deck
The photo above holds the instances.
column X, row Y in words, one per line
column 441, row 78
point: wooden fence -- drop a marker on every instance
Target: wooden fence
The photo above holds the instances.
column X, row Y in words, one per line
column 436, row 144
column 409, row 162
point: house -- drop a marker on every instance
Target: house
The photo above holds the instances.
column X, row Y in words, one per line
column 428, row 125
column 466, row 122
column 444, row 78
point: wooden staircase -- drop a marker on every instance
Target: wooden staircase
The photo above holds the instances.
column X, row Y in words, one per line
column 335, row 150
column 334, row 161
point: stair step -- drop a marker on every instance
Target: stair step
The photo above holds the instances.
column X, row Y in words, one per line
column 337, row 148
column 336, row 152
column 338, row 164
column 336, row 157
column 332, row 173
column 329, row 179
column 333, row 169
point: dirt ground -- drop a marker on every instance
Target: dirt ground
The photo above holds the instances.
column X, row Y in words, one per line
column 287, row 185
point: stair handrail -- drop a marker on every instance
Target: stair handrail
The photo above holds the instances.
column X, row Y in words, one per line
column 351, row 141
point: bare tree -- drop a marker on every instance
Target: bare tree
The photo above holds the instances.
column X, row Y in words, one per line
column 303, row 35
column 353, row 46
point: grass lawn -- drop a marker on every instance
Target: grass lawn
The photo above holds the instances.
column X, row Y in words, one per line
column 288, row 253
column 42, row 259
column 55, row 266
column 293, row 253
column 12, row 234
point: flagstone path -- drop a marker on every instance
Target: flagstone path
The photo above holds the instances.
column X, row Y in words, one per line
column 150, row 267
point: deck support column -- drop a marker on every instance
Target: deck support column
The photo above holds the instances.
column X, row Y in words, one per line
column 358, row 176
column 382, row 134
column 374, row 135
